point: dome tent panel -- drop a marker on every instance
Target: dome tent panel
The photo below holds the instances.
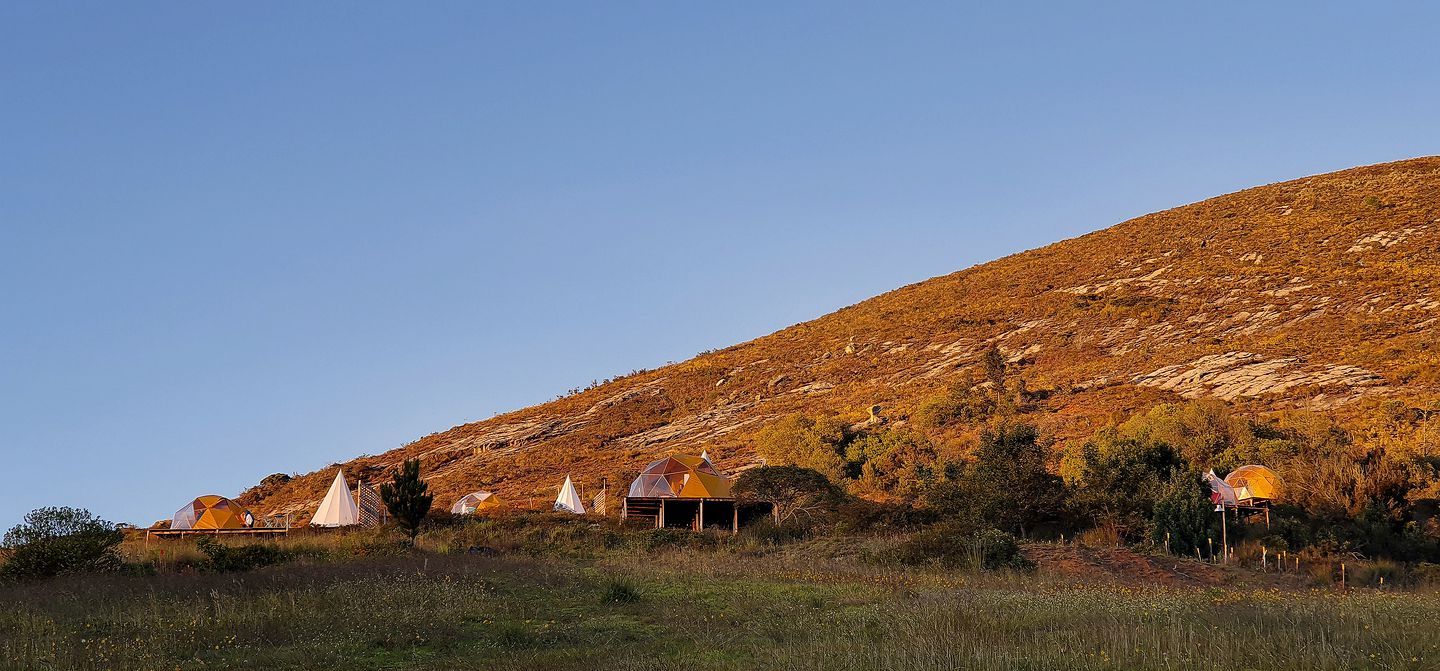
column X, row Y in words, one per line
column 476, row 502
column 680, row 476
column 210, row 512
column 1253, row 481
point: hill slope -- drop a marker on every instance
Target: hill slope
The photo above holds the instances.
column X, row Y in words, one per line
column 1310, row 293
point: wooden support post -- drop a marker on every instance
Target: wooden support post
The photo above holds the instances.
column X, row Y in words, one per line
column 735, row 522
column 1224, row 544
column 660, row 517
column 624, row 509
column 702, row 515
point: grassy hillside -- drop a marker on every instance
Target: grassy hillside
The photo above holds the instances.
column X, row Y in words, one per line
column 1317, row 293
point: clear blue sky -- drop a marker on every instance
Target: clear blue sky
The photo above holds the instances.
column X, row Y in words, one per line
column 237, row 239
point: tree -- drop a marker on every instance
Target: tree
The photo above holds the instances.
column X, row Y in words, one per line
column 1121, row 479
column 1185, row 514
column 814, row 443
column 791, row 489
column 52, row 541
column 994, row 363
column 405, row 497
column 1008, row 485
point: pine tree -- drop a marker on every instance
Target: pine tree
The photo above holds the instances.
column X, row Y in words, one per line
column 405, row 497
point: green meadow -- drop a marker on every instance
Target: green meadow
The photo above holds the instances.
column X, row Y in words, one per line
column 585, row 597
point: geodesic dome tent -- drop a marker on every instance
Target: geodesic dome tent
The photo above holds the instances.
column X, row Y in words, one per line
column 681, row 476
column 210, row 512
column 476, row 503
column 1255, row 483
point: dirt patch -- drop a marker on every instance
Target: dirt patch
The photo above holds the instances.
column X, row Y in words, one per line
column 1124, row 566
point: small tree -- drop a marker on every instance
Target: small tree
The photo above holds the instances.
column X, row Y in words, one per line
column 1184, row 517
column 791, row 489
column 52, row 541
column 1008, row 486
column 994, row 363
column 405, row 497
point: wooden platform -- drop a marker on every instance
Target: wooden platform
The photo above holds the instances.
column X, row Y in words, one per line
column 181, row 533
column 695, row 514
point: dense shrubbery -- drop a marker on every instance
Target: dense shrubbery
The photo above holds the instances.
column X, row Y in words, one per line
column 959, row 545
column 226, row 558
column 1372, row 489
column 873, row 460
column 54, row 541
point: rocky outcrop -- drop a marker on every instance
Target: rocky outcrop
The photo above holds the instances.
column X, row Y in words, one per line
column 1234, row 375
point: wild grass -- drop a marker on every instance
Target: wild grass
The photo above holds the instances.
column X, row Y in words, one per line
column 717, row 606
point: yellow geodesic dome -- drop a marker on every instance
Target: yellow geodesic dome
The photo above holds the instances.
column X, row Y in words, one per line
column 476, row 503
column 210, row 512
column 1255, row 482
column 681, row 476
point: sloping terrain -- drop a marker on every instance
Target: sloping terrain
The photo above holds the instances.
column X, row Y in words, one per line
column 1312, row 293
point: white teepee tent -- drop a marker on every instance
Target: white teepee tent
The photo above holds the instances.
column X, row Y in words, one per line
column 569, row 500
column 338, row 509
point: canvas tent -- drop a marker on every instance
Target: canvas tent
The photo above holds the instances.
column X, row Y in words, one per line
column 338, row 508
column 1221, row 493
column 476, row 503
column 210, row 512
column 1255, row 483
column 681, row 476
column 569, row 500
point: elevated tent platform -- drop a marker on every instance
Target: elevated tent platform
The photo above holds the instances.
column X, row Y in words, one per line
column 695, row 514
column 687, row 492
column 183, row 533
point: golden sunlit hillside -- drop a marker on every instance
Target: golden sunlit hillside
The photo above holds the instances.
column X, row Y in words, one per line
column 1317, row 294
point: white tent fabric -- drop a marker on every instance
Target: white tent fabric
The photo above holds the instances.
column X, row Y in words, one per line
column 569, row 500
column 705, row 454
column 1221, row 494
column 469, row 503
column 338, row 509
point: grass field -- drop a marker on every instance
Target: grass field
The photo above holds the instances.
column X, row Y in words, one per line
column 720, row 607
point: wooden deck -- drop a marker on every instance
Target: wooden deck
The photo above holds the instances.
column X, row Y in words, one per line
column 182, row 533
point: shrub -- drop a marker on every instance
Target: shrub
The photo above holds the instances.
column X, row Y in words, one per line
column 767, row 532
column 223, row 558
column 54, row 541
column 958, row 545
column 993, row 549
column 657, row 539
column 620, row 590
column 1185, row 514
column 961, row 404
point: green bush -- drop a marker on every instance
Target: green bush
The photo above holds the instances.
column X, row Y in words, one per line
column 767, row 532
column 223, row 558
column 55, row 541
column 959, row 546
column 620, row 590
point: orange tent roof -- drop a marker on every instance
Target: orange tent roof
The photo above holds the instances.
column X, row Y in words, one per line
column 681, row 476
column 1255, row 482
column 210, row 512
